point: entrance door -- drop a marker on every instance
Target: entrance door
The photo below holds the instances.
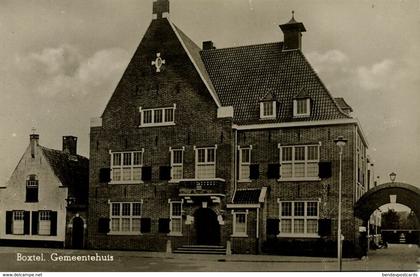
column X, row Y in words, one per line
column 78, row 233
column 207, row 227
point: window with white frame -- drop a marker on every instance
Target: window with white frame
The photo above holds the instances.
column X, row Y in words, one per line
column 158, row 116
column 18, row 223
column 205, row 163
column 176, row 217
column 244, row 162
column 125, row 217
column 299, row 162
column 239, row 223
column 44, row 227
column 267, row 109
column 299, row 218
column 177, row 168
column 126, row 166
column 301, row 107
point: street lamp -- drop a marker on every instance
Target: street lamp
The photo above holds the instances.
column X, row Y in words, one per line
column 393, row 176
column 340, row 142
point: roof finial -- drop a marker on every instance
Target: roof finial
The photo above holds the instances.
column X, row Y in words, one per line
column 293, row 14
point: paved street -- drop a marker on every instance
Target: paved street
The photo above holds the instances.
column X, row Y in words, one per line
column 395, row 258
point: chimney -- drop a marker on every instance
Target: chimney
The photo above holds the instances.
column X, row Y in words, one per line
column 70, row 145
column 292, row 32
column 208, row 45
column 33, row 140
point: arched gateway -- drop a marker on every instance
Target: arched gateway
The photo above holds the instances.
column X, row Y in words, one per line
column 405, row 194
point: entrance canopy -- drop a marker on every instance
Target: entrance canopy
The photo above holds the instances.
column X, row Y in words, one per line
column 401, row 193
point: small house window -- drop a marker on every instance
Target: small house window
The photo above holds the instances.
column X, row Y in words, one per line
column 244, row 163
column 44, row 223
column 301, row 107
column 32, row 189
column 177, row 168
column 205, row 163
column 239, row 223
column 18, row 222
column 176, row 217
column 268, row 109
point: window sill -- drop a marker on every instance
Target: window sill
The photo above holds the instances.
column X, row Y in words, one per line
column 125, row 182
column 313, row 236
column 244, row 181
column 239, row 236
column 157, row 125
column 301, row 115
column 201, row 179
column 124, row 233
column 268, row 117
column 294, row 179
column 175, row 235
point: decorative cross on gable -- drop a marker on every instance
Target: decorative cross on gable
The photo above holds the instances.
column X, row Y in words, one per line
column 160, row 7
column 158, row 62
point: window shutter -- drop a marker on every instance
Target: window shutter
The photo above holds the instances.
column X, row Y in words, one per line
column 273, row 226
column 164, row 225
column 146, row 173
column 26, row 222
column 9, row 221
column 273, row 171
column 324, row 227
column 103, row 225
column 53, row 216
column 165, row 173
column 254, row 171
column 104, row 175
column 145, row 225
column 35, row 219
column 324, row 170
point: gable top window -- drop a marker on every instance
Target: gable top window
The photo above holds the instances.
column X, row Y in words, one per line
column 301, row 107
column 32, row 189
column 164, row 116
column 268, row 109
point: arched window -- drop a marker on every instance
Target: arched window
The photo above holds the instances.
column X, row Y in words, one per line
column 32, row 188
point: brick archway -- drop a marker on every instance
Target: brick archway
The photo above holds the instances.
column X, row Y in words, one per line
column 406, row 194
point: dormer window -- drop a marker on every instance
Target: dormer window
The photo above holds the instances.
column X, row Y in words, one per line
column 268, row 110
column 301, row 107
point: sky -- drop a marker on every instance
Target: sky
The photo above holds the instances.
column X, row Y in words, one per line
column 61, row 61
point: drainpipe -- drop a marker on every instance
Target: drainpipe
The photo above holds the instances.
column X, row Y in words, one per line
column 235, row 146
column 258, row 230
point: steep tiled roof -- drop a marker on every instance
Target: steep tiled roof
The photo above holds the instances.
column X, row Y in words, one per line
column 244, row 75
column 247, row 196
column 71, row 170
column 194, row 52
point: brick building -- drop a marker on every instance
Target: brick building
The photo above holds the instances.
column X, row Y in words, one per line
column 222, row 147
column 44, row 203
